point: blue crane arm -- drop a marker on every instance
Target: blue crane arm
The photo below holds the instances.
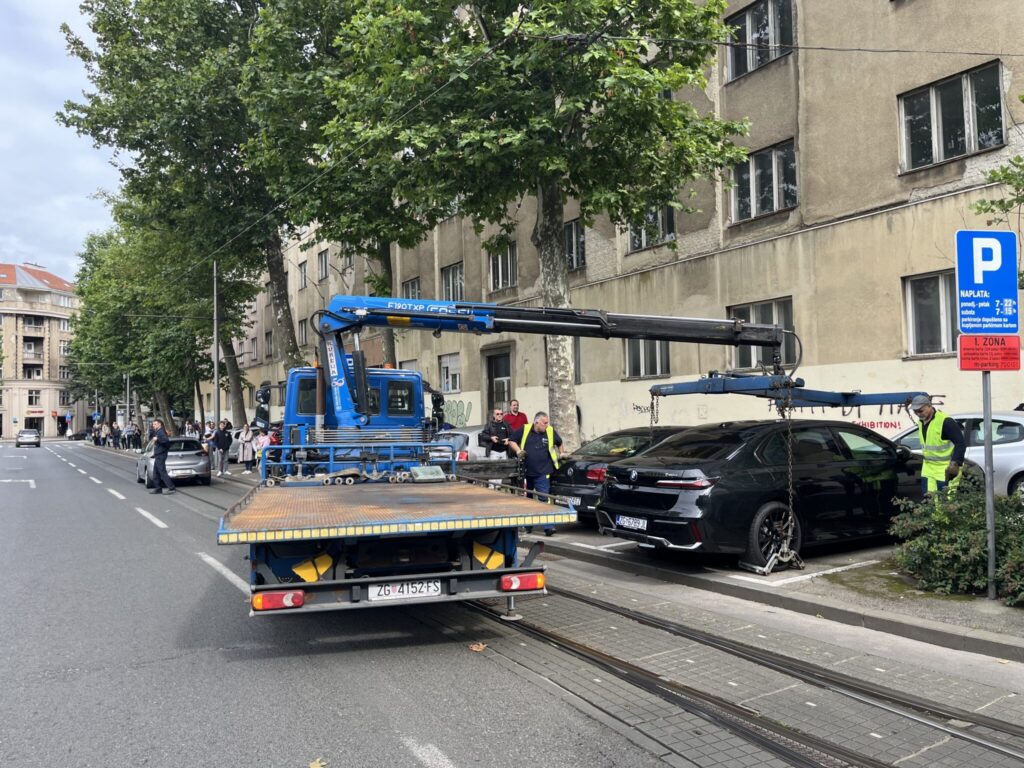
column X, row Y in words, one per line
column 781, row 388
column 352, row 313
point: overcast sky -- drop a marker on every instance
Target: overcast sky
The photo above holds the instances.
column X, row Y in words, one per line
column 48, row 174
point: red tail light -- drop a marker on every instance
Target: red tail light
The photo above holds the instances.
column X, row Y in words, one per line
column 462, row 456
column 597, row 475
column 522, row 582
column 689, row 485
column 273, row 601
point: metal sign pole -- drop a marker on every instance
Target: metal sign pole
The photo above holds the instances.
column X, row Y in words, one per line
column 990, row 489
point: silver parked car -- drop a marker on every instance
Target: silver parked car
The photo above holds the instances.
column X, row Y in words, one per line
column 1007, row 445
column 465, row 442
column 27, row 437
column 186, row 460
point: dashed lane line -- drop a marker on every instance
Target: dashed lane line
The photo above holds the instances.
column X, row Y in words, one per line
column 82, row 471
column 98, row 482
column 226, row 572
column 151, row 517
column 70, row 464
column 428, row 754
column 115, row 494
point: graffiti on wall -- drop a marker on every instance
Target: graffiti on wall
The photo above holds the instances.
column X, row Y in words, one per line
column 457, row 412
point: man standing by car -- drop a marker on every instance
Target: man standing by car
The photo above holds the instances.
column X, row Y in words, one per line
column 515, row 419
column 942, row 443
column 221, row 442
column 494, row 437
column 540, row 446
column 161, row 445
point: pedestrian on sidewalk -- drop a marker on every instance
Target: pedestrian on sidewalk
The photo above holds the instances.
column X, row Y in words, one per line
column 494, row 437
column 515, row 418
column 161, row 445
column 942, row 444
column 221, row 443
column 540, row 447
column 247, row 448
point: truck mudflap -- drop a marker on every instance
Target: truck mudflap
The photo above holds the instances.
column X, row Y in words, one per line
column 407, row 589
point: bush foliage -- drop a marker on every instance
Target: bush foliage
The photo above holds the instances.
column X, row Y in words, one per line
column 944, row 542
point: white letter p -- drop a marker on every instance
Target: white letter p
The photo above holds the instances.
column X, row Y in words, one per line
column 983, row 265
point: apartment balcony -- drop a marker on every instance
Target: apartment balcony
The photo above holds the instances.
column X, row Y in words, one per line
column 26, row 355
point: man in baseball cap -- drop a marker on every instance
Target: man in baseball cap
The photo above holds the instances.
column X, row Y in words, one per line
column 942, row 443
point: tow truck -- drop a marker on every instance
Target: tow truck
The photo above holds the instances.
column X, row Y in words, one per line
column 365, row 509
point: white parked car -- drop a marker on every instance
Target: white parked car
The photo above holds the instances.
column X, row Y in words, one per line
column 1007, row 445
column 465, row 442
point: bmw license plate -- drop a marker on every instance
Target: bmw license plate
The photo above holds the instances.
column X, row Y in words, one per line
column 575, row 500
column 403, row 590
column 636, row 523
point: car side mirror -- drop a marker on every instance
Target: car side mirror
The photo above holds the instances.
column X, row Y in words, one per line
column 903, row 453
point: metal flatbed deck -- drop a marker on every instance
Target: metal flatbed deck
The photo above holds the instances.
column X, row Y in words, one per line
column 377, row 509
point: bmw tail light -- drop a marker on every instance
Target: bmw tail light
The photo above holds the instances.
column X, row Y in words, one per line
column 522, row 582
column 274, row 601
column 694, row 484
column 597, row 475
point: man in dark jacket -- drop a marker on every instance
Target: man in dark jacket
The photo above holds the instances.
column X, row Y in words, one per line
column 222, row 441
column 495, row 435
column 161, row 444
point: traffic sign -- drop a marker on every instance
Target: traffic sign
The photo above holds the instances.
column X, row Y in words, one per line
column 989, row 353
column 986, row 281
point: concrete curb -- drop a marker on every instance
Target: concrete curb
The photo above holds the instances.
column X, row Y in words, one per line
column 933, row 632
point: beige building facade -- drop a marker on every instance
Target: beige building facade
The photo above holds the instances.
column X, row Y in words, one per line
column 36, row 307
column 870, row 139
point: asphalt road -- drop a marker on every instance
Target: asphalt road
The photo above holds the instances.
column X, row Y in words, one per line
column 122, row 644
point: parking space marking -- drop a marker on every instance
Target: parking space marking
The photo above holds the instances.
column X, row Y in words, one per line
column 596, row 549
column 151, row 517
column 922, row 751
column 428, row 754
column 114, row 493
column 98, row 482
column 31, row 483
column 15, row 456
column 804, row 577
column 770, row 693
column 224, row 571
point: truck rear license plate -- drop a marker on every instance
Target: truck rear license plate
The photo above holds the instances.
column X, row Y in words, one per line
column 402, row 590
column 636, row 523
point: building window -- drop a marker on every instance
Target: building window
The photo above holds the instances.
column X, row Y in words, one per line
column 452, row 283
column 65, row 398
column 208, row 401
column 646, row 357
column 269, row 294
column 321, row 265
column 63, row 301
column 659, row 226
column 504, row 267
column 775, row 312
column 409, row 365
column 931, row 313
column 65, row 347
column 303, row 332
column 765, row 182
column 268, row 344
column 35, row 397
column 65, row 324
column 64, row 372
column 575, row 244
column 411, row 289
column 252, row 396
column 953, row 118
column 347, row 261
column 451, row 373
column 303, row 277
column 763, row 32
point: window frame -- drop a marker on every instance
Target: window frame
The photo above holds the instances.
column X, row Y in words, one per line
column 303, row 333
column 35, row 397
column 411, row 288
column 268, row 344
column 666, row 230
column 788, row 351
column 450, row 376
column 662, row 359
column 778, row 196
column 776, row 48
column 448, row 285
column 574, row 234
column 323, row 260
column 935, row 122
column 503, row 267
column 303, row 277
column 947, row 313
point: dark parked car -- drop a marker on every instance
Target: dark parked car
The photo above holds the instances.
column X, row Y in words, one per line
column 724, row 487
column 581, row 474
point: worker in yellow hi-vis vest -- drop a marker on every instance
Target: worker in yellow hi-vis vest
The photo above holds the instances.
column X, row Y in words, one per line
column 942, row 444
column 541, row 447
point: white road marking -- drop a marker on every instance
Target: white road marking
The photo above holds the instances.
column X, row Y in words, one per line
column 31, row 483
column 15, row 456
column 70, row 464
column 226, row 572
column 770, row 693
column 98, row 482
column 428, row 754
column 591, row 546
column 805, row 577
column 985, row 706
column 115, row 494
column 82, row 471
column 151, row 517
column 922, row 751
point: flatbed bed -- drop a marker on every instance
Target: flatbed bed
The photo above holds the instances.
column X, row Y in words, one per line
column 377, row 509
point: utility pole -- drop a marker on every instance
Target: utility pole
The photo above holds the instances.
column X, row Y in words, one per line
column 216, row 351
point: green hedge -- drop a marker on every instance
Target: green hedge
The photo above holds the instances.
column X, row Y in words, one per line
column 944, row 543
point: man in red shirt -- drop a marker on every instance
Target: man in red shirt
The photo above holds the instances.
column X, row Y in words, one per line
column 515, row 419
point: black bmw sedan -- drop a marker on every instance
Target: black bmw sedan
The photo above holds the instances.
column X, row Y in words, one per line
column 581, row 474
column 724, row 487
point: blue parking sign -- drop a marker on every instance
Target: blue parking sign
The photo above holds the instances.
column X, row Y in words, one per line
column 986, row 281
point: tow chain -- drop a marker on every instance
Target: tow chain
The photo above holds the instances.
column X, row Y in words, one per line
column 654, row 415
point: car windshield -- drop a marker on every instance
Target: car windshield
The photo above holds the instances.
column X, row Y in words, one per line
column 698, row 444
column 620, row 446
column 181, row 446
